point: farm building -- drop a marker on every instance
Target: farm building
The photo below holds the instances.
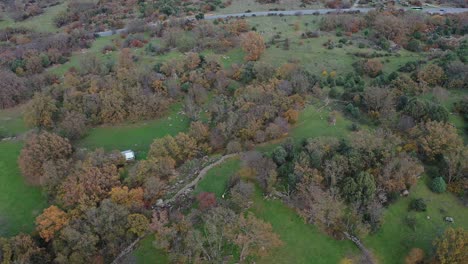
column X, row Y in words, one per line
column 128, row 154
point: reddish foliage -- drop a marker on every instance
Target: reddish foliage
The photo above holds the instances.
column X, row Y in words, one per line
column 206, row 200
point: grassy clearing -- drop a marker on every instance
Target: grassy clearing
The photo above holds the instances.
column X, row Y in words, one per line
column 42, row 23
column 19, row 203
column 303, row 243
column 137, row 136
column 313, row 123
column 395, row 239
column 147, row 253
column 96, row 48
column 310, row 52
column 216, row 179
column 11, row 121
column 240, row 6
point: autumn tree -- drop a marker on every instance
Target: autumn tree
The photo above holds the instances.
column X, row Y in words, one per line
column 138, row 224
column 180, row 148
column 206, row 200
column 319, row 207
column 431, row 74
column 436, row 138
column 253, row 44
column 390, row 27
column 372, row 67
column 12, row 89
column 90, row 182
column 52, row 220
column 73, row 125
column 39, row 149
column 132, row 199
column 254, row 236
column 399, row 172
column 452, row 246
column 457, row 164
column 415, row 256
column 40, row 111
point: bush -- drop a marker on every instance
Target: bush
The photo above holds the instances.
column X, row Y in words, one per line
column 279, row 155
column 418, row 205
column 438, row 185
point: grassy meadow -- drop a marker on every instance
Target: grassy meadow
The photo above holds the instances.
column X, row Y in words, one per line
column 40, row 23
column 136, row 136
column 395, row 238
column 19, row 202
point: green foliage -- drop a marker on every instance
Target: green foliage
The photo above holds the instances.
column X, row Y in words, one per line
column 414, row 45
column 279, row 155
column 423, row 110
column 359, row 189
column 353, row 110
column 418, row 205
column 438, row 185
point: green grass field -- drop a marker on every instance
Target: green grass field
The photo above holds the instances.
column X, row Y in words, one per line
column 313, row 123
column 137, row 136
column 395, row 239
column 42, row 23
column 310, row 52
column 216, row 178
column 240, row 6
column 146, row 253
column 19, row 203
column 303, row 243
column 11, row 121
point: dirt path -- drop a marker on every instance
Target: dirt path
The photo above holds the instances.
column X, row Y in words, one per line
column 199, row 177
column 192, row 184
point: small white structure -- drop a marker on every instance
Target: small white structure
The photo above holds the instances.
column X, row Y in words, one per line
column 129, row 155
column 449, row 219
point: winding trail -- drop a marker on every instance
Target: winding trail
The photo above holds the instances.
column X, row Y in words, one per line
column 199, row 177
column 192, row 184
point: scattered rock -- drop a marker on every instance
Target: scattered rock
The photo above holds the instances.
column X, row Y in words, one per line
column 160, row 203
column 449, row 219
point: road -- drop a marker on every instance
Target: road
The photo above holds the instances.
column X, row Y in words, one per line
column 302, row 12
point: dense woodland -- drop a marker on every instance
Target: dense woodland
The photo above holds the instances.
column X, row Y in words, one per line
column 99, row 204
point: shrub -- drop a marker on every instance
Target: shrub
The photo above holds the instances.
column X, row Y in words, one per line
column 279, row 155
column 418, row 205
column 438, row 185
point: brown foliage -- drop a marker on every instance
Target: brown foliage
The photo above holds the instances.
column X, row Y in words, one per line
column 206, row 200
column 452, row 247
column 132, row 199
column 431, row 74
column 415, row 256
column 254, row 237
column 52, row 220
column 436, row 138
column 253, row 44
column 12, row 89
column 40, row 111
column 39, row 149
column 372, row 67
